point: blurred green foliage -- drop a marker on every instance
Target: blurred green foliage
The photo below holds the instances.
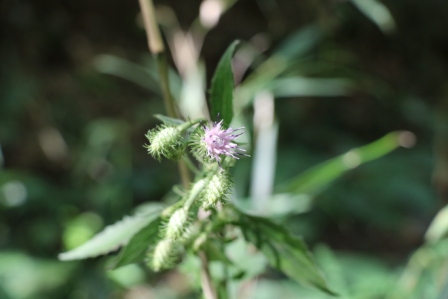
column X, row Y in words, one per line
column 343, row 74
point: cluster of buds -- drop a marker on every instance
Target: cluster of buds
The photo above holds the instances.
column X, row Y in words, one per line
column 209, row 144
column 166, row 251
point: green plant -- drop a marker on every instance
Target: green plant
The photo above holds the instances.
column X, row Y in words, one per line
column 205, row 220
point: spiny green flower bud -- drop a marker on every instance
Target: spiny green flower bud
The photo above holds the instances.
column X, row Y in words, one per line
column 163, row 255
column 216, row 191
column 165, row 141
column 177, row 224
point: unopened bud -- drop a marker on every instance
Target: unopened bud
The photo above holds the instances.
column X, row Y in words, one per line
column 177, row 224
column 163, row 255
column 165, row 141
column 216, row 191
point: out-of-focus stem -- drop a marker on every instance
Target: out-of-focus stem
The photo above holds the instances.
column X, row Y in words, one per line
column 155, row 42
column 170, row 107
column 206, row 279
column 165, row 85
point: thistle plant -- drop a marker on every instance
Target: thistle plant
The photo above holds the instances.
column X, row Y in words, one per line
column 202, row 218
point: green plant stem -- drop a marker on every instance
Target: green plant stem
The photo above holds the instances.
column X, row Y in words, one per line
column 225, row 284
column 191, row 165
column 206, row 281
column 171, row 110
column 156, row 47
column 168, row 99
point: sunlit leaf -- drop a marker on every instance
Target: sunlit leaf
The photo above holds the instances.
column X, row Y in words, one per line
column 277, row 205
column 303, row 87
column 221, row 91
column 377, row 12
column 318, row 177
column 112, row 237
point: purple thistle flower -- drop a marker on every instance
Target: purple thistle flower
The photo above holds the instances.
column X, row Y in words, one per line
column 219, row 142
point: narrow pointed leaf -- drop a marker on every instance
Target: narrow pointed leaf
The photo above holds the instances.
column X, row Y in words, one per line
column 315, row 179
column 112, row 237
column 221, row 91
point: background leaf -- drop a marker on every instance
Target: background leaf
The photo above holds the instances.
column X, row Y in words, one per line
column 378, row 13
column 221, row 91
column 438, row 227
column 318, row 177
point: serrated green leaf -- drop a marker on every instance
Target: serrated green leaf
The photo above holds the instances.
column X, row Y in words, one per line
column 284, row 251
column 112, row 237
column 221, row 91
column 136, row 249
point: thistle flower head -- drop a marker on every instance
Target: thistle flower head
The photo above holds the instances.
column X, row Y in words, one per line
column 215, row 141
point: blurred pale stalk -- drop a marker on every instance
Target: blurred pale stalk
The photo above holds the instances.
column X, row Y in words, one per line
column 210, row 11
column 155, row 42
column 185, row 47
column 264, row 157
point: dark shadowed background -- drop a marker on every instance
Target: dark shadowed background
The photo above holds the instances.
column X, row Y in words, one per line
column 72, row 131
